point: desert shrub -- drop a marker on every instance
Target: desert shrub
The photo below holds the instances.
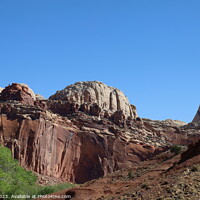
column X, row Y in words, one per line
column 130, row 175
column 145, row 186
column 195, row 168
column 45, row 190
column 176, row 149
column 41, row 190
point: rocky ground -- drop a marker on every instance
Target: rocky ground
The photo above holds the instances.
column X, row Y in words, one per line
column 47, row 180
column 166, row 176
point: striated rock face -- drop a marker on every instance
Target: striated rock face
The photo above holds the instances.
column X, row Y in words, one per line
column 77, row 149
column 162, row 177
column 18, row 92
column 82, row 147
column 197, row 116
column 74, row 140
column 89, row 92
column 193, row 151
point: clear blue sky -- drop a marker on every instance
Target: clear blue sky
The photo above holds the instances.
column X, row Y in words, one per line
column 150, row 49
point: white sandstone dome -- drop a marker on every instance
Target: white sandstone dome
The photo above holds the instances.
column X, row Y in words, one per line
column 108, row 98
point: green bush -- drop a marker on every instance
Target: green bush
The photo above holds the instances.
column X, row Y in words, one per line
column 130, row 175
column 176, row 149
column 14, row 180
column 42, row 190
column 45, row 190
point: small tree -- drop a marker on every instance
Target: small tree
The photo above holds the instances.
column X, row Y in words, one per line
column 176, row 149
column 130, row 175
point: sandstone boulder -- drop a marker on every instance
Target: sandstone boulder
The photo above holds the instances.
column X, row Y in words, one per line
column 95, row 109
column 18, row 92
column 89, row 92
column 118, row 117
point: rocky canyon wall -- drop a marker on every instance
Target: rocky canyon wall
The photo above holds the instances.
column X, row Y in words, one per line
column 75, row 140
column 75, row 150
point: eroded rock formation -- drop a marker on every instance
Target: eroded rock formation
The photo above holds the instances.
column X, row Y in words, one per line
column 193, row 151
column 82, row 147
column 18, row 92
column 89, row 92
column 75, row 150
column 76, row 141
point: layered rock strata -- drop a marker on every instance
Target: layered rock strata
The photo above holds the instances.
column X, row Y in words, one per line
column 81, row 147
column 18, row 92
column 76, row 141
column 76, row 150
column 108, row 99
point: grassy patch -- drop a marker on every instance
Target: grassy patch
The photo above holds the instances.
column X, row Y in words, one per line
column 14, row 180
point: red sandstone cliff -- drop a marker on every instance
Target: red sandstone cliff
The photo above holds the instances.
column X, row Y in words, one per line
column 75, row 142
column 75, row 150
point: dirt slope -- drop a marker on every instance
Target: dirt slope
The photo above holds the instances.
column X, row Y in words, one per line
column 164, row 177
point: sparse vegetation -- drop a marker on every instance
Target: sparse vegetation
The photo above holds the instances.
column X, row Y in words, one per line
column 130, row 175
column 110, row 198
column 42, row 190
column 195, row 168
column 176, row 149
column 145, row 186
